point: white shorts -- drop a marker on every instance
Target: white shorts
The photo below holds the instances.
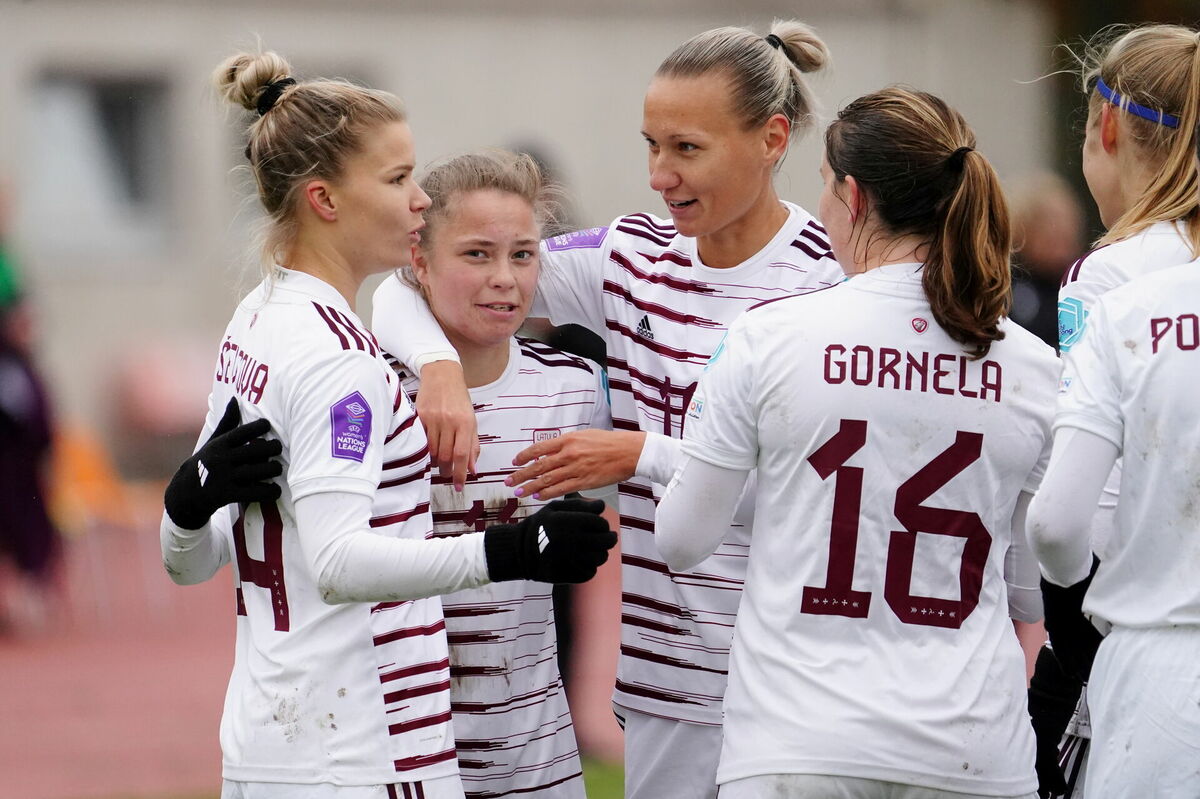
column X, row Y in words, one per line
column 1144, row 698
column 440, row 788
column 819, row 786
column 669, row 759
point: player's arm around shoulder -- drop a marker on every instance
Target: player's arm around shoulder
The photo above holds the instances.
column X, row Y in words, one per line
column 571, row 281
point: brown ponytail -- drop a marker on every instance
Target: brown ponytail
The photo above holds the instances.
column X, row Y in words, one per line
column 915, row 158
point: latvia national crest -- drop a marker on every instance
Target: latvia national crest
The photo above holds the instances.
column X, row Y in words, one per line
column 920, row 324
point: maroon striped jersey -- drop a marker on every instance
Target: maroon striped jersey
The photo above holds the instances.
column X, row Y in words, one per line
column 355, row 694
column 662, row 312
column 511, row 722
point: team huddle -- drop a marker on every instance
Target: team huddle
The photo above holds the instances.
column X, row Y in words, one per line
column 848, row 485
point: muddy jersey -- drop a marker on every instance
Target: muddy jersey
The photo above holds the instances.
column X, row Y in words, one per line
column 1163, row 244
column 1132, row 380
column 874, row 639
column 351, row 694
column 662, row 312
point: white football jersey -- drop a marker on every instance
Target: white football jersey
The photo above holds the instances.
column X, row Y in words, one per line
column 1162, row 245
column 873, row 640
column 352, row 694
column 511, row 721
column 643, row 288
column 1132, row 379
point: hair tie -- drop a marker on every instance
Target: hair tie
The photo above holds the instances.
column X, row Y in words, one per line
column 958, row 158
column 774, row 41
column 1124, row 103
column 271, row 94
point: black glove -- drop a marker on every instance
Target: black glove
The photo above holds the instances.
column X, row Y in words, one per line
column 1072, row 636
column 564, row 542
column 234, row 465
column 1053, row 695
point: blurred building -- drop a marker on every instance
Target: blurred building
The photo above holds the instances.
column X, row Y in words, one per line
column 133, row 220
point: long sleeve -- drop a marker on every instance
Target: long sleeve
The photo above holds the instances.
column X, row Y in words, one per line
column 694, row 513
column 1060, row 515
column 352, row 564
column 193, row 556
column 406, row 328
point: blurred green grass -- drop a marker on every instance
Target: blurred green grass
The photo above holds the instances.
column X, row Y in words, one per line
column 604, row 780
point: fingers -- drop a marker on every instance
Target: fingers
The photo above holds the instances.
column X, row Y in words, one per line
column 259, row 492
column 538, row 450
column 239, row 435
column 259, row 449
column 463, row 453
column 257, row 472
column 231, row 419
column 579, row 505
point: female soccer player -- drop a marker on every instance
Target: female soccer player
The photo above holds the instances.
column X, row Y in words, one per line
column 340, row 685
column 1129, row 390
column 898, row 424
column 477, row 266
column 1143, row 90
column 718, row 117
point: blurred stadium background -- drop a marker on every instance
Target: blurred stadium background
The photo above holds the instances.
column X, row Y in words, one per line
column 122, row 205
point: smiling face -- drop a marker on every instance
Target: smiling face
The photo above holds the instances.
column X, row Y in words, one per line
column 710, row 169
column 378, row 204
column 479, row 269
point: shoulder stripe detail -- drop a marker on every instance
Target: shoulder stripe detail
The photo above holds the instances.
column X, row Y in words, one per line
column 815, row 237
column 1072, row 274
column 649, row 220
column 421, row 761
column 341, row 325
column 644, row 234
column 618, row 290
column 362, row 339
column 679, row 284
column 808, row 250
column 341, row 336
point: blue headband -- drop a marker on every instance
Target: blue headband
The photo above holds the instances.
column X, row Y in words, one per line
column 1142, row 111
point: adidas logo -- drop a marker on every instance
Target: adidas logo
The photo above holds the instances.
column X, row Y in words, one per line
column 643, row 328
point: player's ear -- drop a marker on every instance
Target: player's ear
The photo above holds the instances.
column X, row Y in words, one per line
column 320, row 199
column 420, row 266
column 776, row 132
column 856, row 199
column 1108, row 128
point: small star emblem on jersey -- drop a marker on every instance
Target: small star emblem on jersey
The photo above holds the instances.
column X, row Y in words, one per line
column 919, row 324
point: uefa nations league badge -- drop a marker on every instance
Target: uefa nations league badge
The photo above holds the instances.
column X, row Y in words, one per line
column 350, row 427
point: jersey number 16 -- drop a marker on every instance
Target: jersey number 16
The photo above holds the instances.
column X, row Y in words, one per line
column 837, row 597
